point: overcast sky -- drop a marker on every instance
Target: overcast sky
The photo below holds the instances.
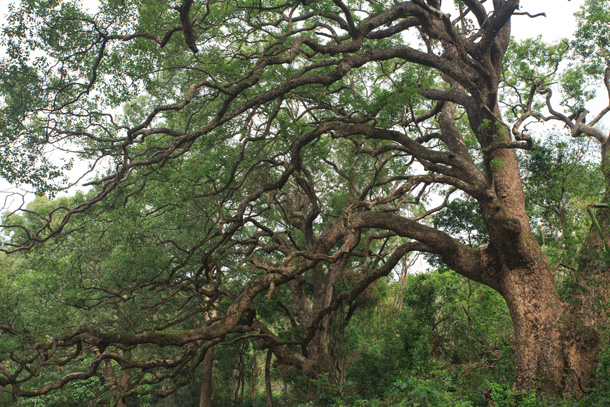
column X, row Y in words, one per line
column 558, row 23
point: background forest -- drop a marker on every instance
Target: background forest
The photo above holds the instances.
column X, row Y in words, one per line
column 235, row 202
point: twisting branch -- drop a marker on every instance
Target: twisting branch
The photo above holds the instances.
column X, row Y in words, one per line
column 525, row 13
column 189, row 34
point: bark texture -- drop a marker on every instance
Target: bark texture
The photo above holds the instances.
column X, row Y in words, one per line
column 517, row 268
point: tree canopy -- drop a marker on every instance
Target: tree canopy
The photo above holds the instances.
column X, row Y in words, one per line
column 255, row 168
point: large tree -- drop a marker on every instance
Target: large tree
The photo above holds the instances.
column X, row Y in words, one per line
column 286, row 149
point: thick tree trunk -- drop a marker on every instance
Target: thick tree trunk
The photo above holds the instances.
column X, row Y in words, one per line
column 319, row 352
column 518, row 270
column 205, row 400
column 317, row 358
column 528, row 287
column 556, row 343
column 533, row 301
column 117, row 387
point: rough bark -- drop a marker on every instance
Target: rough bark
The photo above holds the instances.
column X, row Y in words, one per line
column 519, row 271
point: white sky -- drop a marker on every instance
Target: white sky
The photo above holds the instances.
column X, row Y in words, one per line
column 558, row 23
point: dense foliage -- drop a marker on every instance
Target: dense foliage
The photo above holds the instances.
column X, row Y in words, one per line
column 231, row 199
